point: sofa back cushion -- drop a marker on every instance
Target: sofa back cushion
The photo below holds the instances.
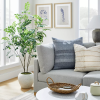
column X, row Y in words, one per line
column 45, row 57
column 64, row 53
column 87, row 45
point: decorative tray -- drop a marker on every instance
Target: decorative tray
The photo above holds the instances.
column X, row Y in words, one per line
column 63, row 88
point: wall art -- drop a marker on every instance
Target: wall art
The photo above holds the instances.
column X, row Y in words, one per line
column 63, row 15
column 45, row 12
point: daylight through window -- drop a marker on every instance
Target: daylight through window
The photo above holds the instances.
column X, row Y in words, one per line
column 7, row 8
column 88, row 9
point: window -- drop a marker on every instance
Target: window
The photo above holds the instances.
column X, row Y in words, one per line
column 88, row 9
column 7, row 10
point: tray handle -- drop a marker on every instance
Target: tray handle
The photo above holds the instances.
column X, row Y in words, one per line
column 76, row 87
column 51, row 80
column 79, row 85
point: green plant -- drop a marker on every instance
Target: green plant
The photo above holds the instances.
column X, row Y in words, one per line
column 27, row 39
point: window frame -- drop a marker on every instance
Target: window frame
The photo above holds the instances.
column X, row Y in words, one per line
column 88, row 18
column 3, row 52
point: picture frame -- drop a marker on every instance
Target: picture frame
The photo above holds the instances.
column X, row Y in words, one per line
column 45, row 12
column 63, row 15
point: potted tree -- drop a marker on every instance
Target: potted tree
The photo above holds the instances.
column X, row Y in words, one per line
column 25, row 41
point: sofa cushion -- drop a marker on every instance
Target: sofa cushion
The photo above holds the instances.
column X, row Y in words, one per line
column 65, row 75
column 45, row 57
column 91, row 77
column 87, row 45
column 64, row 53
column 87, row 59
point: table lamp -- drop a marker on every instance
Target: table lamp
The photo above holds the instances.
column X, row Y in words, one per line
column 95, row 24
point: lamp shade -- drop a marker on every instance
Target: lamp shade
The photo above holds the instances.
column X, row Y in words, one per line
column 94, row 23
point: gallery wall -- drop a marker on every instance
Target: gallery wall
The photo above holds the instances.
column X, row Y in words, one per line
column 67, row 34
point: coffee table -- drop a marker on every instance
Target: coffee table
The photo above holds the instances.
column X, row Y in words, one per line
column 47, row 94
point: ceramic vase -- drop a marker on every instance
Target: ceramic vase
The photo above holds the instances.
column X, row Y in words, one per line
column 25, row 80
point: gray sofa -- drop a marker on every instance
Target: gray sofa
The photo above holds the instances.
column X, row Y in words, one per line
column 64, row 75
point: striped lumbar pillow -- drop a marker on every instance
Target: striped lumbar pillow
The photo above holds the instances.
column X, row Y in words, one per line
column 87, row 59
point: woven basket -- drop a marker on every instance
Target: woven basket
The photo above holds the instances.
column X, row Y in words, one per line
column 55, row 87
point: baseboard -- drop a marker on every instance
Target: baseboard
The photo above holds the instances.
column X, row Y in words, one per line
column 13, row 74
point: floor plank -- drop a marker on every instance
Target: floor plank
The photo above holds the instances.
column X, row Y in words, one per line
column 10, row 89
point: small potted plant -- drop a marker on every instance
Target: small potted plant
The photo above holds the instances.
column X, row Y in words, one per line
column 25, row 41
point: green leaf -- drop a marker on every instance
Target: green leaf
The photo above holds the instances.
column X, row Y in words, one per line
column 41, row 25
column 46, row 29
column 14, row 24
column 19, row 30
column 38, row 43
column 10, row 56
column 5, row 38
column 8, row 53
column 26, row 31
column 25, row 17
column 34, row 56
column 27, row 6
column 16, row 48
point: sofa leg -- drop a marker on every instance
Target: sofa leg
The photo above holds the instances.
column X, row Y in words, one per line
column 34, row 93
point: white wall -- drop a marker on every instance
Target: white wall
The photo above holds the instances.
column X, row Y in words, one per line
column 67, row 34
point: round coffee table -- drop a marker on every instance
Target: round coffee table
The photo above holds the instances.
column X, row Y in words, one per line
column 47, row 94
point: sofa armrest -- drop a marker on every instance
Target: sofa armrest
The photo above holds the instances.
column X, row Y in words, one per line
column 36, row 70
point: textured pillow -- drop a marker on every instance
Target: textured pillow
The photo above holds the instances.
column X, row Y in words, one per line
column 46, row 57
column 64, row 53
column 87, row 59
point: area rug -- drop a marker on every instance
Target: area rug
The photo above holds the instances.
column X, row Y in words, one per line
column 29, row 95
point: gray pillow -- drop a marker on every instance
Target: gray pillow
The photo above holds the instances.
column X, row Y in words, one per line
column 64, row 53
column 46, row 57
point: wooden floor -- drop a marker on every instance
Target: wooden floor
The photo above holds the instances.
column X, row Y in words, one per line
column 10, row 89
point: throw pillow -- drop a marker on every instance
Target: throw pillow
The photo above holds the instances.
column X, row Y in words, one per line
column 64, row 53
column 46, row 57
column 87, row 59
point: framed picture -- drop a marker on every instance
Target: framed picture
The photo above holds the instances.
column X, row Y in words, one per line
column 63, row 15
column 45, row 12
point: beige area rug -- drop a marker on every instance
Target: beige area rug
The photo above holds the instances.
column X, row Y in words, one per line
column 29, row 95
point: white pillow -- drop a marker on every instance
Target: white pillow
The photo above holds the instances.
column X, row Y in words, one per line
column 87, row 59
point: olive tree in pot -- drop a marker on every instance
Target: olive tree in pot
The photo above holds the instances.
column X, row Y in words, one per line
column 25, row 41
